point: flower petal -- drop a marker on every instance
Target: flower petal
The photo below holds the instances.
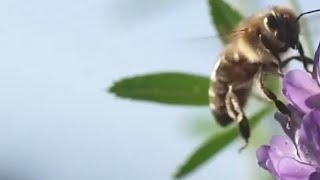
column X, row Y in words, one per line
column 289, row 168
column 301, row 90
column 283, row 146
column 280, row 147
column 314, row 176
column 290, row 125
column 316, row 65
column 262, row 156
column 309, row 137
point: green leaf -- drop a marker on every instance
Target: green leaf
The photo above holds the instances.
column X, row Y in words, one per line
column 215, row 144
column 178, row 88
column 224, row 17
column 166, row 87
column 273, row 83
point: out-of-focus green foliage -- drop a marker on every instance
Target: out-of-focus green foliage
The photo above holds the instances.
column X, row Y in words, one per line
column 169, row 88
column 224, row 17
column 215, row 144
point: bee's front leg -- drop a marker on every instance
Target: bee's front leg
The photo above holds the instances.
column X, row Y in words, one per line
column 304, row 59
column 298, row 58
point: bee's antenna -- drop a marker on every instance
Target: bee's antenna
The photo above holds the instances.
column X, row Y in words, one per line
column 308, row 12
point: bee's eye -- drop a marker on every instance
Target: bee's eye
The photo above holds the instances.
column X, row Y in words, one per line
column 271, row 22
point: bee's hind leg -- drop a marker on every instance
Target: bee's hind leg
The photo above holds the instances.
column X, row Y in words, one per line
column 234, row 110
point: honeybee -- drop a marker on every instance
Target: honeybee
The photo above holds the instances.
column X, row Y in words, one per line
column 254, row 50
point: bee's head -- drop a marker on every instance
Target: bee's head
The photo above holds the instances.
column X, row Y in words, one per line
column 283, row 25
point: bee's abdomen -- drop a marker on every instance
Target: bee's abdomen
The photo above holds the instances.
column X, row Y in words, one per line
column 225, row 75
column 217, row 98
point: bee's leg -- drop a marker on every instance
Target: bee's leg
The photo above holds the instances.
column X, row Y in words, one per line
column 268, row 46
column 258, row 97
column 270, row 95
column 304, row 59
column 235, row 110
column 229, row 106
column 298, row 58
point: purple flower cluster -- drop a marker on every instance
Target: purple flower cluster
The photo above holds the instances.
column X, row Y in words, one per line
column 297, row 155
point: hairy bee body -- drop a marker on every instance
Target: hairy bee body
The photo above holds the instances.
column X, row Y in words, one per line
column 241, row 79
column 254, row 49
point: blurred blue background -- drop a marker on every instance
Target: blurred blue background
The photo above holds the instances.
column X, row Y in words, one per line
column 57, row 59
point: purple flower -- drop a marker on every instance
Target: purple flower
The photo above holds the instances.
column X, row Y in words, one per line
column 297, row 155
column 301, row 90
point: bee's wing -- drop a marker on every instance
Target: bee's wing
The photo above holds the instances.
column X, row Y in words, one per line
column 216, row 37
column 238, row 33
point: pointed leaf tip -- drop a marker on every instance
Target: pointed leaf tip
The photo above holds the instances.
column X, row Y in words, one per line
column 224, row 18
column 166, row 87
